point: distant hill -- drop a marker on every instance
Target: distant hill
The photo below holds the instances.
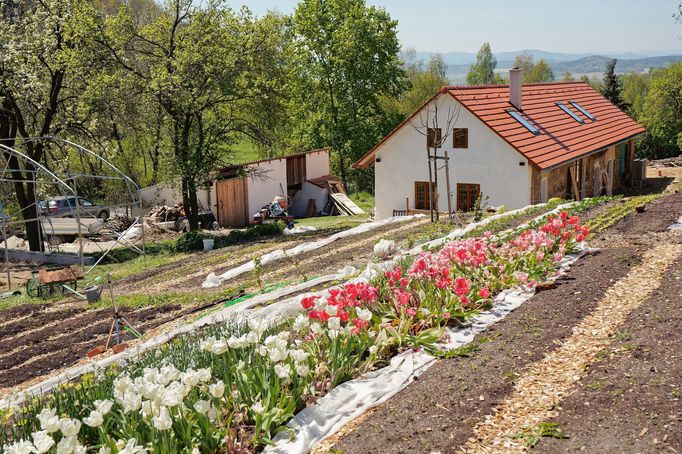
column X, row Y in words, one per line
column 597, row 63
column 577, row 64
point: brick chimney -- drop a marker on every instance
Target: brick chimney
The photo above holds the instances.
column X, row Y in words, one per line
column 515, row 96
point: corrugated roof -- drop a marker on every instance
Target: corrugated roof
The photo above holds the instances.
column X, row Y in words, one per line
column 277, row 158
column 561, row 137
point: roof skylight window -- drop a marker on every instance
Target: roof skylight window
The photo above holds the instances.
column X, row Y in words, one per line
column 583, row 111
column 563, row 107
column 517, row 116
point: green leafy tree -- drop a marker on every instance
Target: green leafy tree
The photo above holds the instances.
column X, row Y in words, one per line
column 424, row 82
column 483, row 71
column 193, row 61
column 568, row 77
column 613, row 86
column 42, row 74
column 635, row 87
column 347, row 59
column 533, row 72
column 662, row 111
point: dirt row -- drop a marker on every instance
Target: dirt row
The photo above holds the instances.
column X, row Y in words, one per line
column 39, row 339
column 438, row 412
column 631, row 398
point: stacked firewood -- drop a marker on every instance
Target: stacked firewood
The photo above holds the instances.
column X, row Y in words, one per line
column 167, row 213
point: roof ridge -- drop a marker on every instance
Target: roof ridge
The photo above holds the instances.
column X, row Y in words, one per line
column 533, row 84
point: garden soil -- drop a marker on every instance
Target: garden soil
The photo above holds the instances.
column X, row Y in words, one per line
column 438, row 412
column 631, row 399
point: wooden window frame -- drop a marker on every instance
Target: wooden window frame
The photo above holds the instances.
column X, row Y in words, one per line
column 421, row 203
column 433, row 137
column 460, row 138
column 467, row 205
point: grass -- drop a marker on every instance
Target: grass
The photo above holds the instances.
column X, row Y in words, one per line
column 532, row 435
column 334, row 222
column 364, row 200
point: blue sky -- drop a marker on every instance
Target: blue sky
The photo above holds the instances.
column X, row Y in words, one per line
column 553, row 25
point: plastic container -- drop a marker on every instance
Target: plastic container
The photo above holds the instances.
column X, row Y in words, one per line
column 208, row 244
column 93, row 293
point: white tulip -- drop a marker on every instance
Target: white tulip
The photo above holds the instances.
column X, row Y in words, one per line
column 334, row 323
column 301, row 323
column 241, row 365
column 20, row 447
column 42, row 441
column 104, row 450
column 316, row 328
column 219, row 347
column 217, row 389
column 103, row 406
column 69, row 426
column 131, row 402
column 163, row 421
column 364, row 314
column 94, row 420
column 283, row 335
column 204, row 375
column 69, row 445
column 252, row 337
column 257, row 407
column 373, row 349
column 283, row 371
column 299, row 355
column 131, row 447
column 202, row 406
column 333, row 334
column 302, row 370
column 49, row 421
column 332, row 310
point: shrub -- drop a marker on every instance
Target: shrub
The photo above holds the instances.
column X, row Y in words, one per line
column 190, row 241
column 193, row 241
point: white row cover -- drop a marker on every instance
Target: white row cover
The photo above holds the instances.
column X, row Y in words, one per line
column 213, row 280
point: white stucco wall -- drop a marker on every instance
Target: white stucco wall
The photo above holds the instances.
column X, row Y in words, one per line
column 317, row 164
column 309, row 191
column 489, row 161
column 168, row 194
column 268, row 180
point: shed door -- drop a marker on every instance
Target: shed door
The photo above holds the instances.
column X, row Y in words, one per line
column 296, row 171
column 232, row 199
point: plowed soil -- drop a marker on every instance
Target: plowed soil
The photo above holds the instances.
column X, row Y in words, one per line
column 437, row 412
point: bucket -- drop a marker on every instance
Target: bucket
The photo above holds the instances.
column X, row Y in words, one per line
column 208, row 244
column 92, row 293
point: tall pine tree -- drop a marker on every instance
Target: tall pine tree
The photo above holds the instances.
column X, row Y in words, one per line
column 613, row 86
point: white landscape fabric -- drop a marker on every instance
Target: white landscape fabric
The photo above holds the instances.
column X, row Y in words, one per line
column 351, row 399
column 214, row 280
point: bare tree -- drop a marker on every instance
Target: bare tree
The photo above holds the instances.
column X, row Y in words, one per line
column 427, row 123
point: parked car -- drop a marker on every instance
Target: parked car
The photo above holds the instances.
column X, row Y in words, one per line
column 65, row 207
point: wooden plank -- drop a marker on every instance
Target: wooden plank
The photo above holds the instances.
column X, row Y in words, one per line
column 311, row 209
column 576, row 191
column 232, row 199
column 347, row 203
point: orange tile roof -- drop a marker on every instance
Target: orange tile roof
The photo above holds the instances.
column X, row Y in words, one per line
column 561, row 138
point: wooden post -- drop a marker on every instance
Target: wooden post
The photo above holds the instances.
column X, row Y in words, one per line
column 434, row 193
column 407, row 205
column 428, row 153
column 447, row 182
column 576, row 192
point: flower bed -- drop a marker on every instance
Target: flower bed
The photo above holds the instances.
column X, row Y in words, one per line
column 235, row 386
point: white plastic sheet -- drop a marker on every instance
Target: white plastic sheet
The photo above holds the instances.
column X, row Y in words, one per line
column 677, row 225
column 213, row 280
column 299, row 229
column 353, row 398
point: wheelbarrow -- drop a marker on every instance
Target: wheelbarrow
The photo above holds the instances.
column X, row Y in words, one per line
column 45, row 283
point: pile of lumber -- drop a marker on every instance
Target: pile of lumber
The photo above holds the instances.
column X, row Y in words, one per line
column 120, row 223
column 344, row 205
column 166, row 213
column 669, row 162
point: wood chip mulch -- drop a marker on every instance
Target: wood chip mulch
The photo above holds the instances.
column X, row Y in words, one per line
column 547, row 382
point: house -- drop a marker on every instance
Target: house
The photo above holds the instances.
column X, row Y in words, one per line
column 517, row 144
column 237, row 192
